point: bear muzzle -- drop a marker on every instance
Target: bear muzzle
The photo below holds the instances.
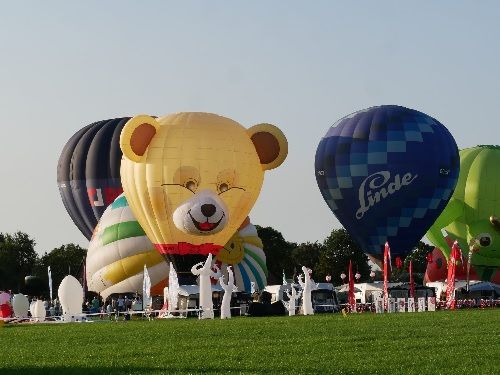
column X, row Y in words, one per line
column 204, row 214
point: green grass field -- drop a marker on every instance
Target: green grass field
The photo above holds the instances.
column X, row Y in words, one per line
column 456, row 342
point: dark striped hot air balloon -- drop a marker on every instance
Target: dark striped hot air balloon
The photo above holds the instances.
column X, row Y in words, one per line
column 88, row 172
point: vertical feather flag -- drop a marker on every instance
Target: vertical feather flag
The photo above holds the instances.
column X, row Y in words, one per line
column 351, row 297
column 452, row 264
column 412, row 282
column 146, row 288
column 387, row 265
column 50, row 282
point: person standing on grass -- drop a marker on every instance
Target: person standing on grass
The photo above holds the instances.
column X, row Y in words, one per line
column 95, row 305
column 120, row 303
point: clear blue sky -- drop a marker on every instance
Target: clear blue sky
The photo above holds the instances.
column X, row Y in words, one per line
column 300, row 65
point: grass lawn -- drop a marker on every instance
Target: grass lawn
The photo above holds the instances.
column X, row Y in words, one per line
column 457, row 342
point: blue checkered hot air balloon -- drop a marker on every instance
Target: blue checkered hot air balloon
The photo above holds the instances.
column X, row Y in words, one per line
column 387, row 173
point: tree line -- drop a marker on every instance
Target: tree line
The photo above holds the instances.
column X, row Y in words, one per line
column 22, row 270
column 18, row 259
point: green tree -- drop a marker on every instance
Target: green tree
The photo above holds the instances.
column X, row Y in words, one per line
column 64, row 260
column 278, row 254
column 306, row 254
column 338, row 249
column 17, row 259
column 419, row 265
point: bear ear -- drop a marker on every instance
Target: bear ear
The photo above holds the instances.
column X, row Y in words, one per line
column 136, row 136
column 270, row 143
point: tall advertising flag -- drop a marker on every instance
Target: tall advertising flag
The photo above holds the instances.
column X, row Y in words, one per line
column 387, row 265
column 146, row 288
column 50, row 282
column 412, row 281
column 455, row 255
column 351, row 298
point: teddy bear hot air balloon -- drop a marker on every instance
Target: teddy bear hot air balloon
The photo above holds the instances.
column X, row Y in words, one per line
column 192, row 178
column 387, row 173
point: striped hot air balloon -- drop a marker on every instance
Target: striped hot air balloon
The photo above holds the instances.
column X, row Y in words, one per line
column 244, row 254
column 88, row 172
column 118, row 251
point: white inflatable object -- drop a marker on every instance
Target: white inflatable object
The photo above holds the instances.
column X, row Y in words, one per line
column 32, row 308
column 292, row 303
column 229, row 288
column 71, row 297
column 38, row 311
column 4, row 298
column 173, row 289
column 307, row 285
column 20, row 305
column 204, row 270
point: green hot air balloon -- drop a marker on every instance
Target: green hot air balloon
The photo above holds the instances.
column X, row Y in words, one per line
column 472, row 216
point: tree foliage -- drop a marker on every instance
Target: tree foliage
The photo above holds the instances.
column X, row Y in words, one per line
column 307, row 254
column 64, row 260
column 17, row 260
column 338, row 249
column 419, row 265
column 278, row 253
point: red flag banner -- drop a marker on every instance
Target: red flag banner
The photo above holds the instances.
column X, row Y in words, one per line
column 412, row 282
column 351, row 297
column 455, row 255
column 387, row 265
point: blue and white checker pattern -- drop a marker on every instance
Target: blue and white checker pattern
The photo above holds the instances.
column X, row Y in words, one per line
column 399, row 140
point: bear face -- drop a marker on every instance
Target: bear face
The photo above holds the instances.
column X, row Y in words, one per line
column 192, row 178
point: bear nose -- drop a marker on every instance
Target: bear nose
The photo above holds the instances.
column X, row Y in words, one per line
column 208, row 209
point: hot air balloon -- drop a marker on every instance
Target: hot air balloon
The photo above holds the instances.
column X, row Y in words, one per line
column 472, row 216
column 88, row 172
column 387, row 173
column 244, row 253
column 192, row 178
column 118, row 251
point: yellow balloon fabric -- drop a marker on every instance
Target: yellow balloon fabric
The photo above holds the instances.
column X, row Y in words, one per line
column 192, row 178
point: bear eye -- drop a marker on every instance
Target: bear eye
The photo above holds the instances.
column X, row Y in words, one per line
column 223, row 187
column 484, row 239
column 190, row 185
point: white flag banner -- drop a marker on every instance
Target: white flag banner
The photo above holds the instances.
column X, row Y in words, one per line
column 50, row 282
column 411, row 304
column 421, row 304
column 431, row 303
column 401, row 304
column 392, row 305
column 146, row 289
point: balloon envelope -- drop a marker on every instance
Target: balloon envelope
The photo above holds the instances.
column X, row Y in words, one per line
column 20, row 305
column 192, row 178
column 118, row 251
column 88, row 172
column 473, row 212
column 387, row 173
column 38, row 312
column 244, row 254
column 70, row 295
